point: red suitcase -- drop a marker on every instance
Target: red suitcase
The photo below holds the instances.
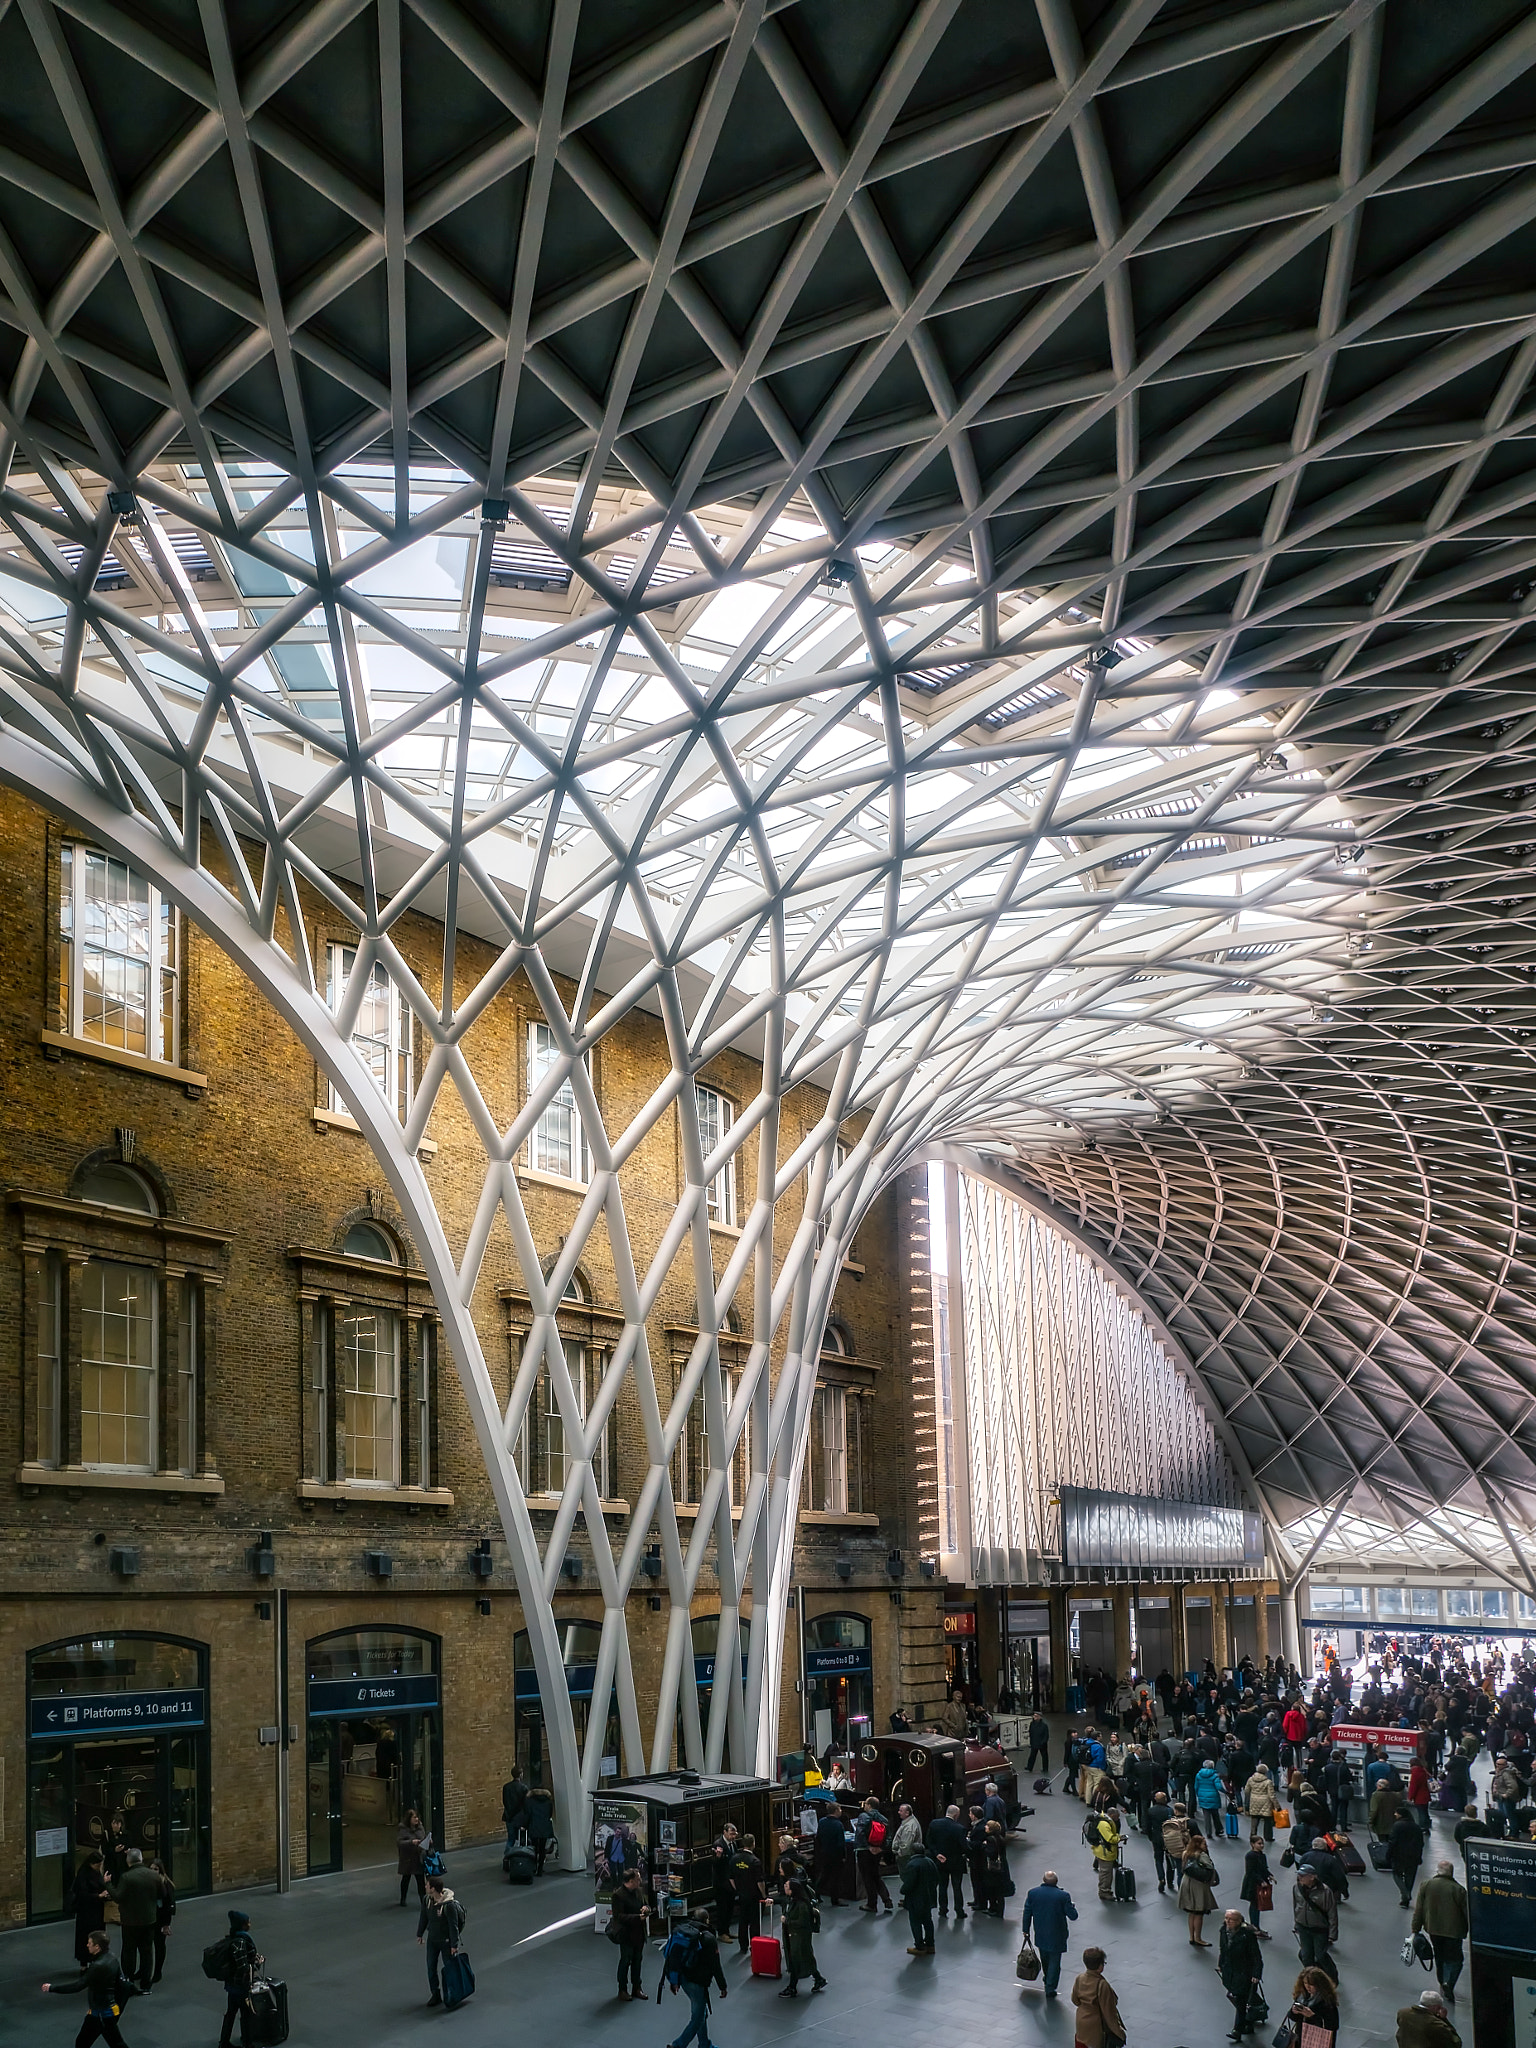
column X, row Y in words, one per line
column 767, row 1956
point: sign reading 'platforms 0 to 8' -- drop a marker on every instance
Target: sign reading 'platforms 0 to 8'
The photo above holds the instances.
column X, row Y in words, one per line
column 116, row 1713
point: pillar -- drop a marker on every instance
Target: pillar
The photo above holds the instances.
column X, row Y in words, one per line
column 1121, row 1596
column 1290, row 1634
column 1061, row 1655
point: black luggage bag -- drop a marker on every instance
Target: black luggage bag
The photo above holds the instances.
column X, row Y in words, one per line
column 266, row 2014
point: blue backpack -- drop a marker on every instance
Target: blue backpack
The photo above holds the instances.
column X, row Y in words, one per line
column 678, row 1955
column 432, row 1864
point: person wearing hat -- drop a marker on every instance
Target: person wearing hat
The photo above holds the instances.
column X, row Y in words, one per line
column 241, row 1964
column 1425, row 2025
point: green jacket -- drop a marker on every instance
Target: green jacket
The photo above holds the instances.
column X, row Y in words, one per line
column 1441, row 1909
column 920, row 1881
column 1418, row 2028
column 799, row 1926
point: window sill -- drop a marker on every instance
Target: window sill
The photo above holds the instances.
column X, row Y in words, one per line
column 549, row 1504
column 819, row 1518
column 379, row 1496
column 112, row 1056
column 853, row 1266
column 552, row 1180
column 688, row 1511
column 76, row 1477
column 338, row 1120
column 725, row 1229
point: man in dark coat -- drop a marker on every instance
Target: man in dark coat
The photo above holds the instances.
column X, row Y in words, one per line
column 101, row 1981
column 747, row 1884
column 829, row 1860
column 539, row 1820
column 440, row 1924
column 630, row 1913
column 1405, row 1852
column 137, row 1894
column 947, row 1845
column 920, row 1893
column 514, row 1797
column 1039, row 1743
column 1240, row 1965
column 1047, row 1909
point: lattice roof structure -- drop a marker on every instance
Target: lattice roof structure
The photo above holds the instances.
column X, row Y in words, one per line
column 982, row 553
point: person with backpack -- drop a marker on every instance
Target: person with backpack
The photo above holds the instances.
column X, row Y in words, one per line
column 439, row 1927
column 233, row 1962
column 412, row 1842
column 106, row 1990
column 1101, row 1831
column 627, row 1927
column 800, row 1923
column 869, row 1833
column 690, row 1963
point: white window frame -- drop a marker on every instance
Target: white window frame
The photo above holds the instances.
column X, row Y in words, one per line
column 187, row 1336
column 716, row 1114
column 839, row 1161
column 78, row 863
column 586, row 1366
column 694, row 1463
column 547, row 1140
column 50, row 1363
column 827, row 1453
column 389, row 1401
column 150, row 1372
column 392, row 1050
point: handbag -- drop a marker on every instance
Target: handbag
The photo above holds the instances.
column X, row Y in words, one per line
column 1264, row 1896
column 1282, row 1816
column 1027, row 1966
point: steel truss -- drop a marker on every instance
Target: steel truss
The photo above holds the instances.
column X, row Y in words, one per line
column 927, row 553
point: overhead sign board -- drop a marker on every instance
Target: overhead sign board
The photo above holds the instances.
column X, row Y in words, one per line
column 335, row 1698
column 961, row 1623
column 59, row 1718
column 837, row 1663
column 1346, row 1734
column 1127, row 1530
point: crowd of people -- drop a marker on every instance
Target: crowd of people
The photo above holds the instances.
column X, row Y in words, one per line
column 1242, row 1777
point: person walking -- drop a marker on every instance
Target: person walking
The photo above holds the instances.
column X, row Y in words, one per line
column 1261, row 1799
column 946, row 1845
column 747, row 1884
column 629, row 1914
column 1197, row 1896
column 1159, row 1813
column 1208, row 1800
column 920, row 1894
column 1095, row 2008
column 1405, row 1852
column 514, row 1799
column 699, row 1970
column 242, row 1960
column 869, row 1832
column 1258, row 1884
column 539, row 1822
column 799, row 1950
column 1048, row 1908
column 88, row 1899
column 1175, row 1842
column 1440, row 1911
column 907, row 1840
column 137, row 1897
column 1419, row 1794
column 1425, row 2025
column 165, row 1913
column 829, row 1859
column 1039, row 1743
column 1315, row 1917
column 1103, row 1835
column 439, row 1926
column 105, row 1989
column 1240, row 1965
column 1314, row 2002
column 411, row 1843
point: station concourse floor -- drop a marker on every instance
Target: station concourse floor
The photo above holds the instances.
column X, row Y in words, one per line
column 357, row 1979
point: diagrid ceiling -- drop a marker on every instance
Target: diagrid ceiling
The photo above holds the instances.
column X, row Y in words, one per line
column 990, row 546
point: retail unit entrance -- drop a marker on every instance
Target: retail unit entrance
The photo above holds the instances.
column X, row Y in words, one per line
column 1093, row 1623
column 375, row 1743
column 1154, row 1635
column 1198, row 1633
column 1242, row 1628
column 1029, row 1657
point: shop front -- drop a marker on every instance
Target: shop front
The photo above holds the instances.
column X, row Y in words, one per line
column 1028, row 1657
column 1153, row 1618
column 1092, row 1638
column 374, row 1742
column 839, row 1681
column 1242, row 1628
column 1199, row 1633
column 117, row 1759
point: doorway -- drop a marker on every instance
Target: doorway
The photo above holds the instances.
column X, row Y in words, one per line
column 1198, row 1637
column 1154, row 1638
column 374, row 1749
column 1242, row 1629
column 144, row 1786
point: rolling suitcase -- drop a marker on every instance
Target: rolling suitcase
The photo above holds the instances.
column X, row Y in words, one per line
column 1233, row 1829
column 767, row 1956
column 458, row 1979
column 266, row 2014
column 518, row 1863
column 1349, row 1856
column 1125, row 1884
column 1380, row 1855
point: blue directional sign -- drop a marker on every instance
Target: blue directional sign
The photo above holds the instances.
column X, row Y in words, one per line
column 64, row 1719
column 845, row 1661
column 335, row 1698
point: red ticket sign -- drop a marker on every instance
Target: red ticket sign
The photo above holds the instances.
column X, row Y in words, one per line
column 1351, row 1736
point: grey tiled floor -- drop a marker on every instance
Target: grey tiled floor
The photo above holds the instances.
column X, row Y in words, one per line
column 355, row 1973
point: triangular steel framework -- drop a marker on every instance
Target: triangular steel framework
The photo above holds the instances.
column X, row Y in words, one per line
column 982, row 553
